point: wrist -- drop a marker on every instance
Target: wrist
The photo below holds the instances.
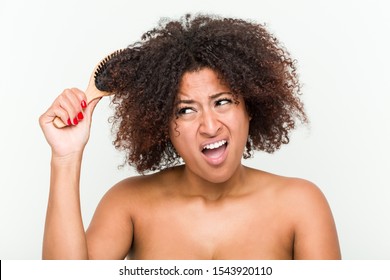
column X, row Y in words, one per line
column 71, row 159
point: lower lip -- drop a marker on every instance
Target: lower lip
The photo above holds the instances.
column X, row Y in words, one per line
column 216, row 161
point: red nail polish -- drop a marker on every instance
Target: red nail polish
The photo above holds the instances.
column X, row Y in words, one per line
column 80, row 116
column 75, row 121
column 69, row 123
column 83, row 104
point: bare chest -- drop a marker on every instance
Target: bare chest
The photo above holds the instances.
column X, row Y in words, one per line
column 196, row 231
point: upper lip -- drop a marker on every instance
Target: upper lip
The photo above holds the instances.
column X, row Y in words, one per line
column 203, row 145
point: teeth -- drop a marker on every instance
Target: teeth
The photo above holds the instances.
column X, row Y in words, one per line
column 215, row 145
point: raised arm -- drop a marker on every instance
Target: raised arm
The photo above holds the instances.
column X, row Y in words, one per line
column 64, row 235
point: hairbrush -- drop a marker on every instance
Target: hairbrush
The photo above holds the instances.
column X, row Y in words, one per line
column 95, row 89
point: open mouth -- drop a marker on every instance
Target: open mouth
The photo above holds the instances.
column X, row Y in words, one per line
column 215, row 150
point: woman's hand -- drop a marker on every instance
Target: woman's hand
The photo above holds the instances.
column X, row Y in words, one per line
column 73, row 110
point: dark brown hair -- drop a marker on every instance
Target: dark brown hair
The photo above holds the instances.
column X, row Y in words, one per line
column 145, row 78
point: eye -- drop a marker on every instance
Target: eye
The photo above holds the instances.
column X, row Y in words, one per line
column 185, row 111
column 223, row 101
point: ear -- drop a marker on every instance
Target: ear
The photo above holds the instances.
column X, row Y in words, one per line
column 249, row 115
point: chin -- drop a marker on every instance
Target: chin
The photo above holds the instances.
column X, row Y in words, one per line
column 217, row 177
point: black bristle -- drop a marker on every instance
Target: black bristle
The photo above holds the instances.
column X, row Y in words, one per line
column 101, row 72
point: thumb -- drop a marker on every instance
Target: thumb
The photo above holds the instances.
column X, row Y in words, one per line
column 92, row 104
column 90, row 108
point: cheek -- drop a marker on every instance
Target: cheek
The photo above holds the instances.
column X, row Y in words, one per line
column 179, row 135
column 182, row 137
column 241, row 126
column 182, row 130
column 239, row 118
column 174, row 135
column 173, row 130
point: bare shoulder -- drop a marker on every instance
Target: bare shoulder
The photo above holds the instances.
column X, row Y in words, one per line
column 306, row 209
column 132, row 189
column 287, row 189
column 298, row 196
column 300, row 192
column 110, row 233
column 138, row 188
column 315, row 229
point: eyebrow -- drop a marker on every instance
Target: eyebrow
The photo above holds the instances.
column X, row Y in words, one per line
column 214, row 96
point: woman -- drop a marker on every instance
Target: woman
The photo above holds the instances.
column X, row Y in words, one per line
column 192, row 98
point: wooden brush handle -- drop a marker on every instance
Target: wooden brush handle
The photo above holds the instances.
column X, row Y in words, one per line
column 91, row 93
column 58, row 123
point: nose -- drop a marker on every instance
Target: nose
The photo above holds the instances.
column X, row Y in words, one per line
column 210, row 125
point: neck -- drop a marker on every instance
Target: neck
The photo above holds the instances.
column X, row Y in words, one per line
column 194, row 185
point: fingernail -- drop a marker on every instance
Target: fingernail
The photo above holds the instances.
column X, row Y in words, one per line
column 80, row 116
column 69, row 123
column 83, row 104
column 75, row 121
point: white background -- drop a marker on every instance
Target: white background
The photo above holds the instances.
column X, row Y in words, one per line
column 342, row 48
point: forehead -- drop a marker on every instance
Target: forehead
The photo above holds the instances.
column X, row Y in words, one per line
column 202, row 82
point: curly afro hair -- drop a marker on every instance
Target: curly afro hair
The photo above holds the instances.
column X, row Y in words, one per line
column 145, row 79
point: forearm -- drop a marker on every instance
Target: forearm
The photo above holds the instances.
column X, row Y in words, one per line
column 64, row 236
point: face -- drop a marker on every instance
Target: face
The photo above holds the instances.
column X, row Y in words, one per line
column 209, row 129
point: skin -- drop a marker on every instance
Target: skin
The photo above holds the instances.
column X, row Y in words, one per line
column 209, row 208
